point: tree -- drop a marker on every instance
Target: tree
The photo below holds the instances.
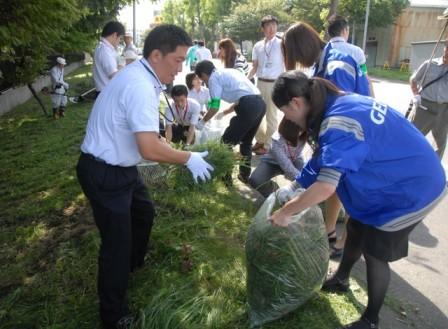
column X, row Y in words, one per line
column 244, row 21
column 30, row 31
column 200, row 18
column 316, row 12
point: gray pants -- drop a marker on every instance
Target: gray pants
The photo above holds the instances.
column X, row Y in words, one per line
column 434, row 119
column 261, row 178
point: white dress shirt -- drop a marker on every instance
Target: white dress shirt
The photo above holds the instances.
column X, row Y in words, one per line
column 230, row 85
column 127, row 105
column 202, row 97
column 203, row 53
column 270, row 58
column 186, row 116
column 105, row 63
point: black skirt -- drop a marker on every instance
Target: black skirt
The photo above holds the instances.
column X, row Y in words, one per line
column 386, row 246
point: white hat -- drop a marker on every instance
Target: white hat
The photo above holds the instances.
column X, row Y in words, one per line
column 128, row 34
column 61, row 61
column 130, row 54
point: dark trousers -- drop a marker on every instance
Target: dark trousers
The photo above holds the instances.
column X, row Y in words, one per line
column 124, row 215
column 179, row 132
column 242, row 128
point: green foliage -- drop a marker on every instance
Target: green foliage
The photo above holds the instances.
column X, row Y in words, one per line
column 201, row 18
column 382, row 12
column 220, row 156
column 244, row 21
column 32, row 30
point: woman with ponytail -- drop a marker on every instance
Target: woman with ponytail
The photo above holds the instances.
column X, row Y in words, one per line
column 303, row 46
column 383, row 169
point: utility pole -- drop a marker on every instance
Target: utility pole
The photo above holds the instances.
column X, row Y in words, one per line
column 134, row 29
column 366, row 25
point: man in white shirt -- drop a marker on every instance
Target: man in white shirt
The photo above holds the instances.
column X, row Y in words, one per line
column 129, row 42
column 105, row 59
column 233, row 87
column 267, row 64
column 123, row 128
column 202, row 52
column 181, row 117
column 59, row 88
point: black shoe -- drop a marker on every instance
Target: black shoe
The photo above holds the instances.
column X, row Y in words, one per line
column 244, row 179
column 125, row 322
column 362, row 323
column 334, row 284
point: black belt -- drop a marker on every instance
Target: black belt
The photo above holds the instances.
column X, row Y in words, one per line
column 266, row 80
column 92, row 157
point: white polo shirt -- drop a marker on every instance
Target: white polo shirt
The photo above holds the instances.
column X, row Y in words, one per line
column 270, row 58
column 230, row 85
column 344, row 47
column 186, row 116
column 105, row 63
column 127, row 105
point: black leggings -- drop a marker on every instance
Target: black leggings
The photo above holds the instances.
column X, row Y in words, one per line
column 378, row 274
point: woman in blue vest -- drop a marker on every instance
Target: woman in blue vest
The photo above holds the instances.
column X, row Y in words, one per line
column 385, row 172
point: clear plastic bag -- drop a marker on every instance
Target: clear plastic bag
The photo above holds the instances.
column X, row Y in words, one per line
column 212, row 131
column 285, row 265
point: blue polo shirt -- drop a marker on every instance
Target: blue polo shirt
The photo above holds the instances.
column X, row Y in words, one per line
column 342, row 70
column 386, row 172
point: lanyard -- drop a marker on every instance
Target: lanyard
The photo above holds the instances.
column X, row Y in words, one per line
column 179, row 111
column 163, row 91
column 268, row 54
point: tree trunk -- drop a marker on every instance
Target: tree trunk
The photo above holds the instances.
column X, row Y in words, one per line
column 36, row 96
column 333, row 8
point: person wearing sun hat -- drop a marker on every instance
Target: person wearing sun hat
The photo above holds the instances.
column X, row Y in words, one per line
column 59, row 88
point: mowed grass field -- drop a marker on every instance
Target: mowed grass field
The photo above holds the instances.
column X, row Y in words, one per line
column 49, row 244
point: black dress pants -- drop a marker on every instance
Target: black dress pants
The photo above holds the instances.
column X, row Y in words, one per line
column 124, row 216
column 243, row 127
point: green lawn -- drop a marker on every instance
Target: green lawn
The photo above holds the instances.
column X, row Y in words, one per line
column 391, row 74
column 49, row 245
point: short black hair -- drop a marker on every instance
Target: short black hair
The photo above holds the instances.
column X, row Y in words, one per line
column 204, row 67
column 179, row 90
column 201, row 43
column 336, row 24
column 111, row 28
column 189, row 79
column 166, row 38
column 268, row 19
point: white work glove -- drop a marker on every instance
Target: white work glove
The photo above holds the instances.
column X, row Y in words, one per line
column 417, row 99
column 285, row 193
column 199, row 167
column 200, row 125
column 220, row 115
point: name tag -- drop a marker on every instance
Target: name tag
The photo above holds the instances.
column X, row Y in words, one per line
column 268, row 65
